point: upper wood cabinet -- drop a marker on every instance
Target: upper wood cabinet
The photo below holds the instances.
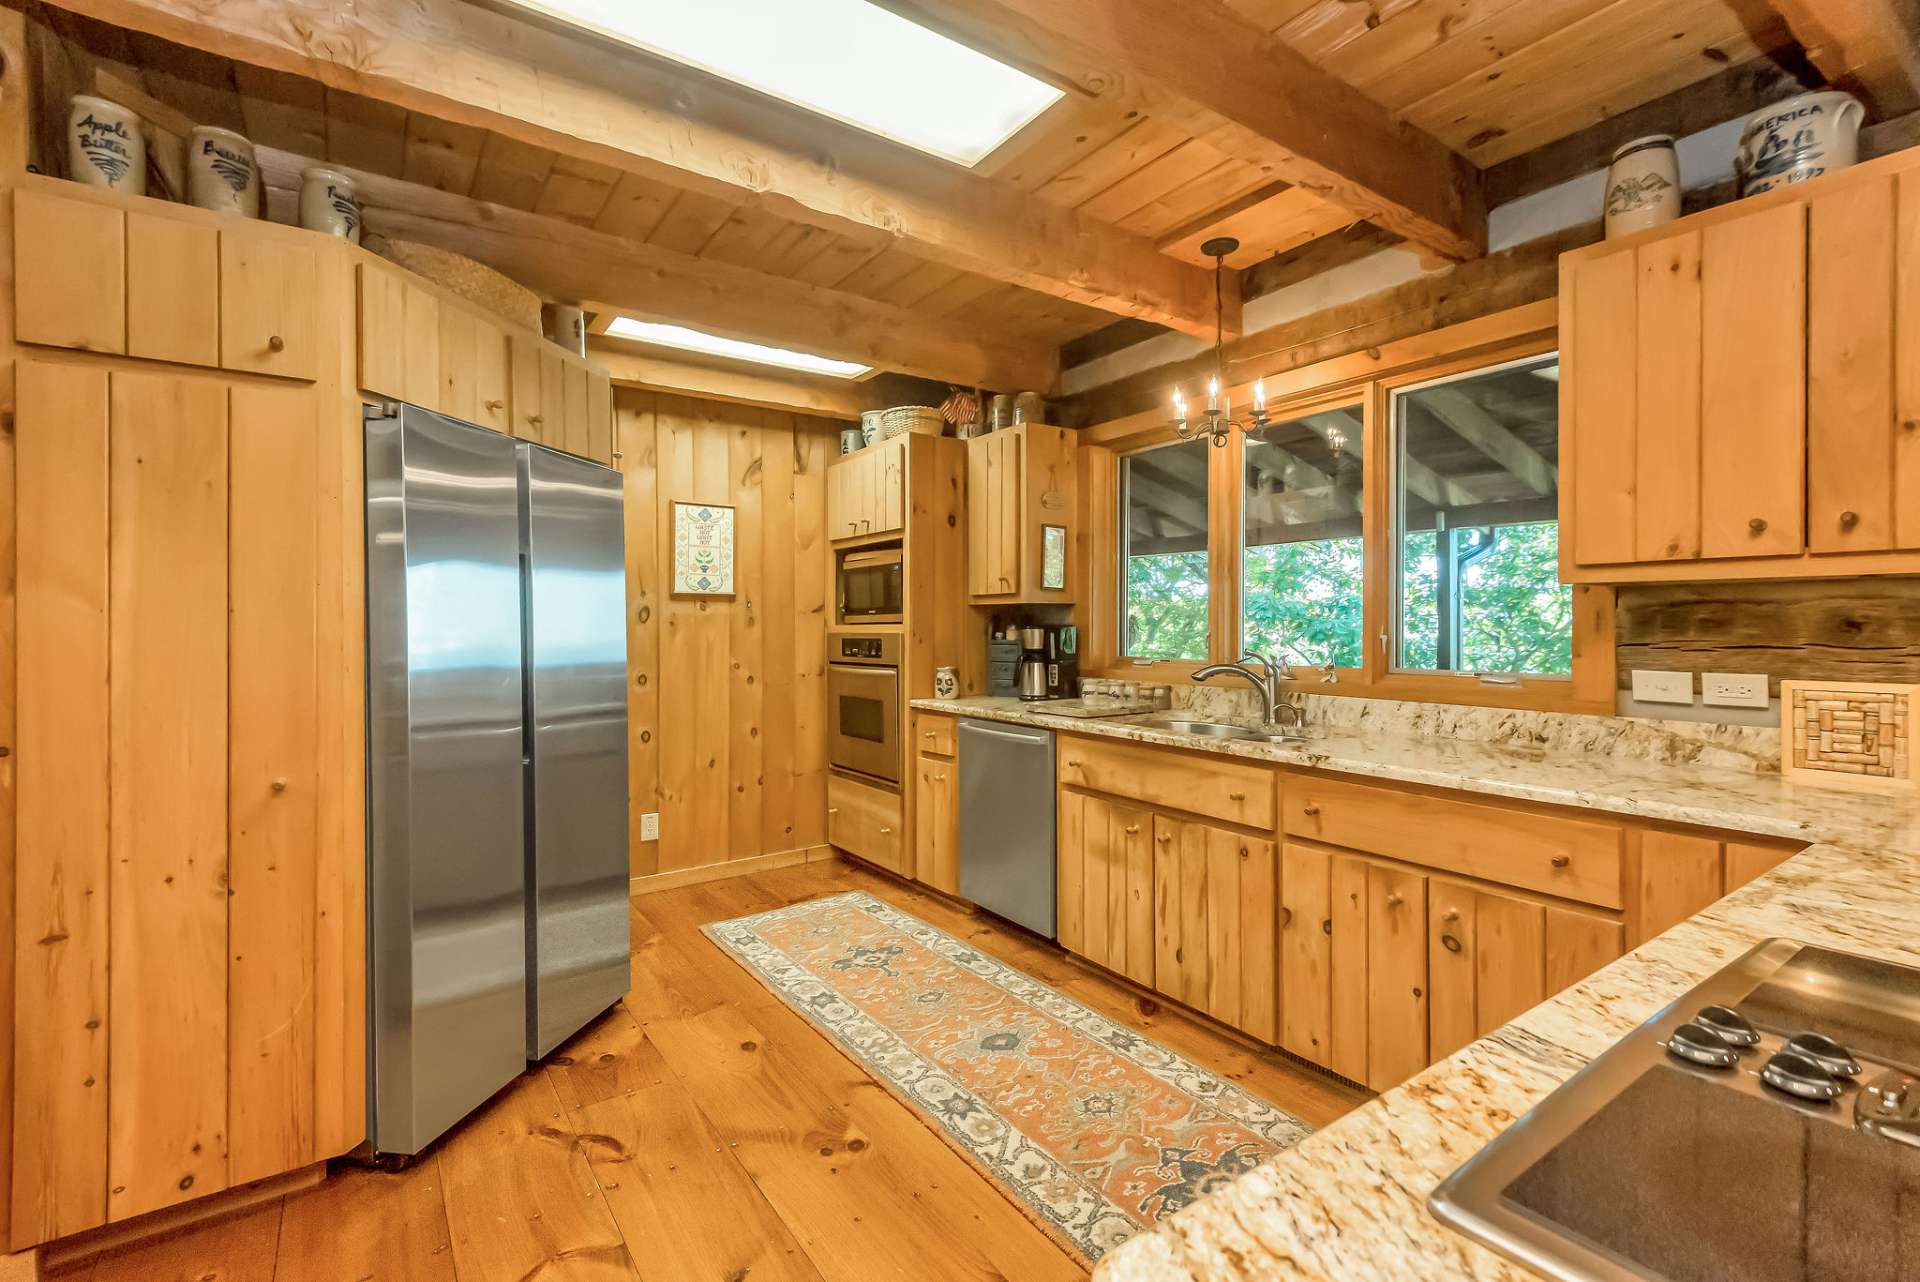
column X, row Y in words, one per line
column 1021, row 483
column 269, row 321
column 1740, row 390
column 867, row 492
column 70, row 272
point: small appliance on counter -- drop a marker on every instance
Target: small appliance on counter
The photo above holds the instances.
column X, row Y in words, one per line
column 1765, row 1127
column 1049, row 663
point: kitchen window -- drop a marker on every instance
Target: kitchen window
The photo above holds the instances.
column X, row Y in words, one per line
column 1163, row 557
column 1476, row 527
column 1303, row 522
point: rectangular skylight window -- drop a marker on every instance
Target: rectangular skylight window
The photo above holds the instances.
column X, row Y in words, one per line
column 847, row 59
column 693, row 340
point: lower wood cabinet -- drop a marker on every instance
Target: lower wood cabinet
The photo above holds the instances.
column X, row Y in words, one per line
column 864, row 819
column 1323, row 957
column 936, row 823
column 1106, row 902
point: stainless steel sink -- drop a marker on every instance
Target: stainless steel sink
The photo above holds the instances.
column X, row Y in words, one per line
column 1220, row 730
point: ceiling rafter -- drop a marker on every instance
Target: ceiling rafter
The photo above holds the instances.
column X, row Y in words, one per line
column 1869, row 45
column 586, row 98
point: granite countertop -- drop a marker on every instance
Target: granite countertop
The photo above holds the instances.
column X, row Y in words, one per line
column 1349, row 1202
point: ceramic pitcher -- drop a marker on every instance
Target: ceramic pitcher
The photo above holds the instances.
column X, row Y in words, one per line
column 222, row 173
column 105, row 147
column 1643, row 185
column 327, row 204
column 1798, row 139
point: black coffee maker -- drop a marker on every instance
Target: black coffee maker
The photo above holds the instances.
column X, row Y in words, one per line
column 1049, row 662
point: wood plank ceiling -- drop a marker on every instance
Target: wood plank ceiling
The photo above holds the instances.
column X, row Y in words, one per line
column 1491, row 79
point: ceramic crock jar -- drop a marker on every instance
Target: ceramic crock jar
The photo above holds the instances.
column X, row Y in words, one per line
column 105, row 147
column 327, row 204
column 1643, row 185
column 222, row 173
column 1798, row 139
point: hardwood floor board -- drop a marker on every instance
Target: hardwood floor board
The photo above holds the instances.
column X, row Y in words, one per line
column 368, row 1226
column 609, row 1058
column 822, row 1139
column 668, row 981
column 688, row 1210
column 522, row 1202
column 240, row 1248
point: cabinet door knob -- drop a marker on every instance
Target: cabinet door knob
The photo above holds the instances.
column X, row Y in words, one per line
column 536, row 419
column 1910, row 425
column 1451, row 944
column 494, row 405
column 1131, row 829
column 1164, row 838
column 930, row 735
column 1309, row 810
column 833, row 810
column 1452, row 914
column 280, row 785
column 1758, row 525
column 1394, row 901
column 885, row 831
column 1074, row 764
column 1562, row 861
column 1849, row 519
column 275, row 343
column 1236, row 796
column 943, row 776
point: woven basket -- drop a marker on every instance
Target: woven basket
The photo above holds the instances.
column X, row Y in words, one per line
column 912, row 418
column 475, row 282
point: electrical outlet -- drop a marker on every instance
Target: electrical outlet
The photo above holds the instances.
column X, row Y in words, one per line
column 1662, row 687
column 1734, row 689
column 650, row 826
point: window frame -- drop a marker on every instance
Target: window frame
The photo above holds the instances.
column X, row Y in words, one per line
column 1118, row 619
column 1368, row 380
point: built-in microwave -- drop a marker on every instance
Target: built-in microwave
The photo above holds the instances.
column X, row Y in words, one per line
column 872, row 586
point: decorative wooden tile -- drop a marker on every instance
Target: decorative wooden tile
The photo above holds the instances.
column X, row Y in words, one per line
column 1847, row 734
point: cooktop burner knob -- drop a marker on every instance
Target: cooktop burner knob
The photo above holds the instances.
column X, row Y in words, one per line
column 1801, row 1076
column 1825, row 1052
column 1890, row 1107
column 1698, row 1045
column 1729, row 1025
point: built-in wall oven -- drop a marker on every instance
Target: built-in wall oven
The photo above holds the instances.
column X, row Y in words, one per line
column 872, row 586
column 863, row 703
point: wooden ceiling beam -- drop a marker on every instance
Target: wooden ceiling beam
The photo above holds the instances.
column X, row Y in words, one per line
column 589, row 99
column 1872, row 46
column 1207, row 68
column 561, row 260
column 638, row 365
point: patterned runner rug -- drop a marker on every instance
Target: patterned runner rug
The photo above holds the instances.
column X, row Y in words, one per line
column 1093, row 1129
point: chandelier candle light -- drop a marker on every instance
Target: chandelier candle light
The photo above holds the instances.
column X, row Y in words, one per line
column 1218, row 422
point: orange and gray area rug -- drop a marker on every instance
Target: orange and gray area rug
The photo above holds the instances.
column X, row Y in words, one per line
column 1095, row 1130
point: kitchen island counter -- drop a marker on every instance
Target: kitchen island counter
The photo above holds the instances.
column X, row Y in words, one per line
column 1349, row 1202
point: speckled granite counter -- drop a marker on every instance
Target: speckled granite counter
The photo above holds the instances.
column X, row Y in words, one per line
column 1349, row 1203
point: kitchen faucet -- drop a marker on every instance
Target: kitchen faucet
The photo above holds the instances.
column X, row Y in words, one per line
column 1272, row 671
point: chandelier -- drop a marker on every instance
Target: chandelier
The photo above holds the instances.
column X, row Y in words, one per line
column 1216, row 423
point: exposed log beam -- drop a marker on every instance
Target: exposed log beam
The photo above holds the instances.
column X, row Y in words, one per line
column 565, row 261
column 587, row 98
column 1872, row 46
column 1459, row 414
column 1208, row 68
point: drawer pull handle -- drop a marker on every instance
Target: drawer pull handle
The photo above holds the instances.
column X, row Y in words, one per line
column 494, row 405
column 931, row 735
column 885, row 831
column 1451, row 944
column 833, row 810
column 275, row 343
column 1236, row 796
column 1309, row 810
column 1394, row 901
column 1074, row 764
column 1164, row 838
column 1849, row 519
column 1562, row 861
column 1131, row 829
column 1758, row 525
column 536, row 419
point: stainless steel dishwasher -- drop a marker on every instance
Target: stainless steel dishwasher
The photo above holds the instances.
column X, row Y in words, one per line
column 1006, row 821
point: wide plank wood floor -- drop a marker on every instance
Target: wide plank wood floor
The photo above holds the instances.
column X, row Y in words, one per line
column 700, row 1132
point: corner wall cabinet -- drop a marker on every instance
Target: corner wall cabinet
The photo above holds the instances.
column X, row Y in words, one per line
column 1020, row 481
column 867, row 491
column 1727, row 379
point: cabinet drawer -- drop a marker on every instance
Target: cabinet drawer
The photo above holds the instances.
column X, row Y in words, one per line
column 1572, row 858
column 864, row 820
column 934, row 734
column 1213, row 786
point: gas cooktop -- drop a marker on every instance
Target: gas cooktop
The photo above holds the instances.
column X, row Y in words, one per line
column 1763, row 1128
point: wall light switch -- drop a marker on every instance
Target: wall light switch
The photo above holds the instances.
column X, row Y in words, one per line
column 650, row 826
column 1733, row 689
column 1662, row 687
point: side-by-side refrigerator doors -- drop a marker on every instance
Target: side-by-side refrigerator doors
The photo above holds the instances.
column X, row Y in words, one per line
column 447, row 966
column 576, row 694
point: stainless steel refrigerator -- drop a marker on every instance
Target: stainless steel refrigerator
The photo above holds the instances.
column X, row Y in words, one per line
column 497, row 762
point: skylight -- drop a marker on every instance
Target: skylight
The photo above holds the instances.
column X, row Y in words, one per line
column 847, row 59
column 693, row 340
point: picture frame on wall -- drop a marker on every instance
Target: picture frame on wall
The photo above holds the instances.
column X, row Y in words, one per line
column 703, row 549
column 1053, row 558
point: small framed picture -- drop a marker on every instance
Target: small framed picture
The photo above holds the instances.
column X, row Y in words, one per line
column 702, row 549
column 1053, row 557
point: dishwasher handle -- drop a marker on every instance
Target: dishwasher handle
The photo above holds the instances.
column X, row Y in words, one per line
column 1031, row 737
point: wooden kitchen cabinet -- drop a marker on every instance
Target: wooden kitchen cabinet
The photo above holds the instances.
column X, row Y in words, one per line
column 1020, row 481
column 864, row 819
column 269, row 323
column 867, row 492
column 1323, row 957
column 1106, row 884
column 173, row 290
column 1214, row 916
column 936, row 823
column 523, row 372
column 1396, row 975
column 69, row 272
column 1725, row 377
